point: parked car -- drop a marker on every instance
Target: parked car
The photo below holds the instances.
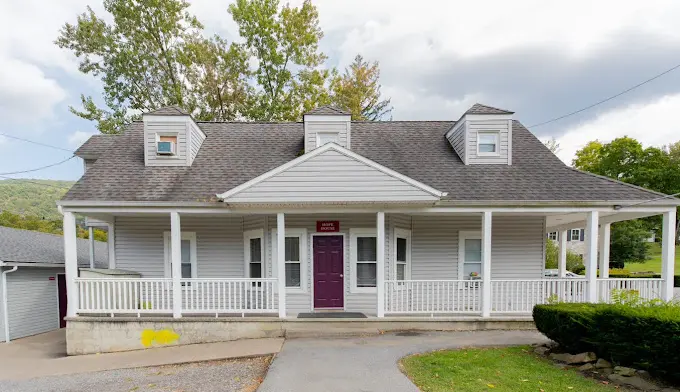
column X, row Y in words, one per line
column 554, row 273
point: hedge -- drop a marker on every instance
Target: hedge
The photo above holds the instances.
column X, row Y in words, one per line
column 643, row 337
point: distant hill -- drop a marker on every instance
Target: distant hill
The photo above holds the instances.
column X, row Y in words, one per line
column 33, row 197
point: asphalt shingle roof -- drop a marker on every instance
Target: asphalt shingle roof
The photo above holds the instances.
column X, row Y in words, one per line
column 25, row 246
column 478, row 108
column 95, row 146
column 328, row 110
column 168, row 111
column 234, row 153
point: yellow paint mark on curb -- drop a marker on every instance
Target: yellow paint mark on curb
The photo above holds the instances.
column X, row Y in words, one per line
column 164, row 336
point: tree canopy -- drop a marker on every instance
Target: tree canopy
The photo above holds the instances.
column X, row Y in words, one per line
column 154, row 53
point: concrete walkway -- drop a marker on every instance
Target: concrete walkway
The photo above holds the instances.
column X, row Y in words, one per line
column 44, row 355
column 370, row 363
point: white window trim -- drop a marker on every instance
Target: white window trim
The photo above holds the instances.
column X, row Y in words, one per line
column 318, row 138
column 247, row 236
column 402, row 233
column 557, row 235
column 174, row 154
column 304, row 267
column 353, row 234
column 462, row 236
column 497, row 136
column 571, row 235
column 191, row 236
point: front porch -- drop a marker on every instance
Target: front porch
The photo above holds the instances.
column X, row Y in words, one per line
column 394, row 264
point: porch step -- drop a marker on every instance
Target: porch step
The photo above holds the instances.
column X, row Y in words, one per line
column 326, row 315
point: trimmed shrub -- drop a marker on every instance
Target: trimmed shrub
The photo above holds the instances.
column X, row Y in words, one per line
column 619, row 273
column 646, row 336
column 568, row 324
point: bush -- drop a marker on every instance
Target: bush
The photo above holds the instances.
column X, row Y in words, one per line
column 645, row 336
column 567, row 324
column 619, row 273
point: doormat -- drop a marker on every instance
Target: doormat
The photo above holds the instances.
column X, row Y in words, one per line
column 332, row 315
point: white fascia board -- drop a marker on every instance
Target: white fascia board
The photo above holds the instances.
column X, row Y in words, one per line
column 176, row 119
column 321, row 150
column 327, row 118
column 39, row 265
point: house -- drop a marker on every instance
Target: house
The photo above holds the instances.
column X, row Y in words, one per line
column 32, row 282
column 576, row 240
column 327, row 217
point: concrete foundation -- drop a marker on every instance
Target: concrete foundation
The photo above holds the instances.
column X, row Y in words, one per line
column 89, row 335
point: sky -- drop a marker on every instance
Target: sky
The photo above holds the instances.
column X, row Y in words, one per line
column 541, row 59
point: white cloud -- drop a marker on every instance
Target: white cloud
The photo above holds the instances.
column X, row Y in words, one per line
column 653, row 124
column 77, row 138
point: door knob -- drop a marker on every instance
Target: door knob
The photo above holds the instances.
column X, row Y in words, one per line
column 342, row 276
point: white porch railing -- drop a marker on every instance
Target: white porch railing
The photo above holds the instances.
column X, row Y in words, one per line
column 520, row 296
column 646, row 288
column 154, row 296
column 432, row 296
column 124, row 296
column 229, row 296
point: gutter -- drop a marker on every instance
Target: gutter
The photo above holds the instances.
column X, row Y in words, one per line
column 4, row 299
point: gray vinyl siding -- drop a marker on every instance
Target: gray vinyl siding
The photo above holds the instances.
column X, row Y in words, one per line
column 151, row 128
column 331, row 176
column 196, row 138
column 312, row 128
column 500, row 126
column 2, row 311
column 457, row 139
column 32, row 301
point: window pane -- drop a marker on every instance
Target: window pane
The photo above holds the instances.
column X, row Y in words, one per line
column 186, row 271
column 401, row 271
column 367, row 249
column 487, row 147
column 186, row 251
column 255, row 270
column 401, row 249
column 292, row 248
column 256, row 249
column 473, row 250
column 292, row 274
column 487, row 142
column 471, row 267
column 366, row 274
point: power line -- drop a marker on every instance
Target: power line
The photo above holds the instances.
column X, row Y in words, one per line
column 39, row 168
column 34, row 142
column 606, row 99
column 34, row 182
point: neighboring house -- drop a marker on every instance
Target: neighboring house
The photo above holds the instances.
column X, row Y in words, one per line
column 576, row 240
column 387, row 218
column 33, row 287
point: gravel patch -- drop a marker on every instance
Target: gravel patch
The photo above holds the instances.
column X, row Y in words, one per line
column 226, row 375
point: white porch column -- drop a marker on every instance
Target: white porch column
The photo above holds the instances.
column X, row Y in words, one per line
column 176, row 263
column 91, row 238
column 605, row 230
column 380, row 265
column 592, row 220
column 281, row 261
column 486, row 264
column 562, row 258
column 668, row 254
column 71, row 263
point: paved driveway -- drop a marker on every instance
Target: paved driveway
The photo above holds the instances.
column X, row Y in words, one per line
column 369, row 363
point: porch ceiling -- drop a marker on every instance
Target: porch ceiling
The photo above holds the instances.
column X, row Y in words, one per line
column 555, row 222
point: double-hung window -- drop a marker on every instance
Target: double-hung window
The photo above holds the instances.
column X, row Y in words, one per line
column 553, row 236
column 187, row 255
column 402, row 256
column 575, row 235
column 295, row 256
column 253, row 248
column 470, row 255
column 364, row 260
column 488, row 142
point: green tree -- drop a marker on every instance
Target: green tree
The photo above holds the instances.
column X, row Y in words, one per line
column 588, row 158
column 628, row 242
column 552, row 254
column 358, row 91
column 153, row 55
column 284, row 41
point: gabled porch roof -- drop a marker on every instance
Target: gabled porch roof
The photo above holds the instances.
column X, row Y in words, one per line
column 332, row 174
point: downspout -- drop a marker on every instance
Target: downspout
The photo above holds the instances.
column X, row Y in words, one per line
column 4, row 300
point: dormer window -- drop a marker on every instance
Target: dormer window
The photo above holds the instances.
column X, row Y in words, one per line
column 166, row 144
column 326, row 137
column 487, row 143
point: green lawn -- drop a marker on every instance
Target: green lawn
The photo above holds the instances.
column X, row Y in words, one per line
column 514, row 369
column 654, row 263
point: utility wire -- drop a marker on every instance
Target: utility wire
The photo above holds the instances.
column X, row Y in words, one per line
column 34, row 142
column 33, row 182
column 39, row 168
column 606, row 99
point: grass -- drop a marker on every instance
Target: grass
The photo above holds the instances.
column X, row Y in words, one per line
column 514, row 369
column 654, row 263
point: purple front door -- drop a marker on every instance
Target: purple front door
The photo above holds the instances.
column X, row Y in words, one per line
column 328, row 271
